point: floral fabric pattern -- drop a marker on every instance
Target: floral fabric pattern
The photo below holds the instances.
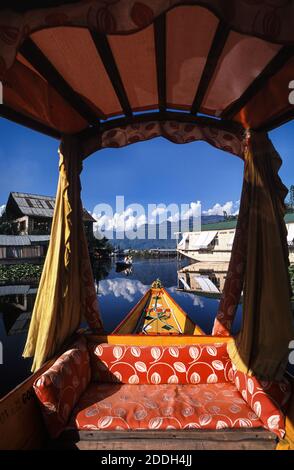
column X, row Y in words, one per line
column 156, row 387
column 266, row 398
column 60, row 387
column 177, row 132
column 193, row 364
column 168, row 406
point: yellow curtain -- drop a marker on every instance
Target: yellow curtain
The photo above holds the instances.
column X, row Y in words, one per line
column 261, row 348
column 66, row 291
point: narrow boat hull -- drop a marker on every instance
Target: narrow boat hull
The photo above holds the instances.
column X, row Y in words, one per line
column 157, row 313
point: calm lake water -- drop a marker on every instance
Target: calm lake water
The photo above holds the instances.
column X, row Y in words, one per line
column 117, row 293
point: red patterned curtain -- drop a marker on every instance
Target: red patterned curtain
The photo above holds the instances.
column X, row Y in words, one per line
column 259, row 263
column 174, row 131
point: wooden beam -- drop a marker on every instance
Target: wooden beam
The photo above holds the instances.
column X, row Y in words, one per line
column 160, row 50
column 105, row 52
column 229, row 126
column 29, row 122
column 278, row 61
column 276, row 121
column 218, row 43
column 39, row 61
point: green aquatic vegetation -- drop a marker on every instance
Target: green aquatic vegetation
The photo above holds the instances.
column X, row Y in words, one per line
column 20, row 272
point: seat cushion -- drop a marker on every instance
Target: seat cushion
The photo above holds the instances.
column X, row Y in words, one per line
column 189, row 364
column 59, row 388
column 268, row 399
column 167, row 406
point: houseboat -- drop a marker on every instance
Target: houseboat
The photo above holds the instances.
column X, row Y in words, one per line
column 30, row 218
column 214, row 242
column 15, row 249
column 32, row 214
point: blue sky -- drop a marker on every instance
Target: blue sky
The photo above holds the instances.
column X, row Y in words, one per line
column 156, row 171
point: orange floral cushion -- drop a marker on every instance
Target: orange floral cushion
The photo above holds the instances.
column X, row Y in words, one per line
column 195, row 364
column 59, row 388
column 266, row 398
column 167, row 406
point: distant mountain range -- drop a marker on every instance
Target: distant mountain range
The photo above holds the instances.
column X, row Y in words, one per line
column 122, row 239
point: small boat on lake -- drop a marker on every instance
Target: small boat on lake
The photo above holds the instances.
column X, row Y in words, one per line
column 157, row 313
column 124, row 263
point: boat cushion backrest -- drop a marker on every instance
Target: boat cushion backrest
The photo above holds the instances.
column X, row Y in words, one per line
column 60, row 387
column 268, row 399
column 189, row 364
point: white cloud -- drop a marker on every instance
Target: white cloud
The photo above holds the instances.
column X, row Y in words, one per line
column 230, row 207
column 194, row 211
column 129, row 219
column 2, row 209
column 120, row 222
column 125, row 288
column 132, row 220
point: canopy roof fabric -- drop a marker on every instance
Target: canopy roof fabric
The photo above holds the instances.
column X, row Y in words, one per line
column 93, row 66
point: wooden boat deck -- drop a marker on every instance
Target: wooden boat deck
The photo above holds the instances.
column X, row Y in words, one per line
column 158, row 314
column 229, row 439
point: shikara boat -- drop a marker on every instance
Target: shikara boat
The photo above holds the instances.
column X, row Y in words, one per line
column 99, row 75
column 157, row 314
column 156, row 344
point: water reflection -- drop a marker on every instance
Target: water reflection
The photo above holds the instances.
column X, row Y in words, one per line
column 16, row 305
column 204, row 278
column 126, row 289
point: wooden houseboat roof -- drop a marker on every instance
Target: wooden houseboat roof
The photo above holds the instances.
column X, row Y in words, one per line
column 37, row 205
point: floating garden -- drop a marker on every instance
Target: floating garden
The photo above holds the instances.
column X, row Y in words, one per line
column 17, row 273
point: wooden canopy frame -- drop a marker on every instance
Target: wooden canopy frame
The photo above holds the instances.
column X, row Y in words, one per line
column 96, row 119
